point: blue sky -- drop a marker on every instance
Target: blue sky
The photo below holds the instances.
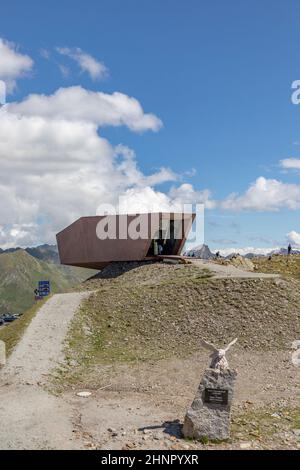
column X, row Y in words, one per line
column 217, row 74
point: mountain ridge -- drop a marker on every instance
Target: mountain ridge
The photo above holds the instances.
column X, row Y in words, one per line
column 20, row 272
column 203, row 251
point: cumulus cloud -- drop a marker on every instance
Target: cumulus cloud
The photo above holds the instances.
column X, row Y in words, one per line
column 78, row 104
column 187, row 194
column 55, row 166
column 290, row 163
column 146, row 199
column 293, row 237
column 13, row 64
column 265, row 195
column 86, row 62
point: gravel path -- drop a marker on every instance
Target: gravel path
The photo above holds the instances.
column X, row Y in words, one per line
column 30, row 417
column 227, row 271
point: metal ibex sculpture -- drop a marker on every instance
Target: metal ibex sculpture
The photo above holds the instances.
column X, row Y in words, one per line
column 218, row 359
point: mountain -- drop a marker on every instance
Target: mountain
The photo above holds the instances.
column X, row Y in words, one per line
column 201, row 251
column 20, row 273
column 250, row 255
column 45, row 252
column 42, row 252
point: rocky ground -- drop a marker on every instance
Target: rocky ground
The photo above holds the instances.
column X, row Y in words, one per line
column 141, row 358
column 158, row 311
column 133, row 347
column 142, row 406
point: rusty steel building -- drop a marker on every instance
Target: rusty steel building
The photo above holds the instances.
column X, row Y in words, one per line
column 93, row 242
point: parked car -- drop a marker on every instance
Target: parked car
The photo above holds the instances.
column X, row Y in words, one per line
column 1, row 321
column 8, row 317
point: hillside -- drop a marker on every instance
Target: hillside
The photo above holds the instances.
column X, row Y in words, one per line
column 288, row 266
column 134, row 347
column 20, row 273
column 156, row 311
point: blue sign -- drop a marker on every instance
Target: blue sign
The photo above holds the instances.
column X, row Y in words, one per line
column 44, row 288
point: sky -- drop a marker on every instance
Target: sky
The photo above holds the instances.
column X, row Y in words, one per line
column 158, row 103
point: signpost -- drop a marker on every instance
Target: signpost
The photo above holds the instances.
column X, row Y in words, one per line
column 43, row 290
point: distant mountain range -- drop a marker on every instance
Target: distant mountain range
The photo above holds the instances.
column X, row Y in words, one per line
column 45, row 252
column 21, row 269
column 203, row 252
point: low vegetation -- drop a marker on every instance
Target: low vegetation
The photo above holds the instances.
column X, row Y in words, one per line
column 12, row 333
column 287, row 266
column 267, row 424
column 19, row 276
column 158, row 311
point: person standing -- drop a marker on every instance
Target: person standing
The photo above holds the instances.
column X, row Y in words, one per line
column 289, row 249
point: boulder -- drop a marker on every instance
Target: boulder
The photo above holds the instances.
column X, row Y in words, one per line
column 209, row 415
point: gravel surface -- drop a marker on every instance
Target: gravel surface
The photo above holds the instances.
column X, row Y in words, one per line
column 229, row 271
column 30, row 417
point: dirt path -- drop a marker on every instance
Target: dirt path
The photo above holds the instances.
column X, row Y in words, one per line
column 144, row 405
column 228, row 271
column 30, row 417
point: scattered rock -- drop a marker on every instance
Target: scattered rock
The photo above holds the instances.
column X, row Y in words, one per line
column 83, row 394
column 245, row 445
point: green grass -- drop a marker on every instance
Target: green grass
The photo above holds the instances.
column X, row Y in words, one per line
column 287, row 266
column 157, row 312
column 13, row 332
column 19, row 276
column 258, row 424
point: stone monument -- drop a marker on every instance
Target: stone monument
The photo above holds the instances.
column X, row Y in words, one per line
column 2, row 354
column 209, row 415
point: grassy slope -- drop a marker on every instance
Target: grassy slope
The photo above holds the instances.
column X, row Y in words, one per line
column 12, row 333
column 160, row 311
column 20, row 273
column 288, row 266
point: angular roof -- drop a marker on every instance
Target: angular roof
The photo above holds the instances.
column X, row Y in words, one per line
column 95, row 241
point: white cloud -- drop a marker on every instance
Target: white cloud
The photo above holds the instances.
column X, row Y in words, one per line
column 248, row 249
column 290, row 163
column 78, row 104
column 146, row 199
column 265, row 195
column 13, row 64
column 55, row 167
column 86, row 62
column 135, row 176
column 186, row 194
column 293, row 237
column 65, row 71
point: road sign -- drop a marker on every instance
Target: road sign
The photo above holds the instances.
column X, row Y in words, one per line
column 44, row 288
